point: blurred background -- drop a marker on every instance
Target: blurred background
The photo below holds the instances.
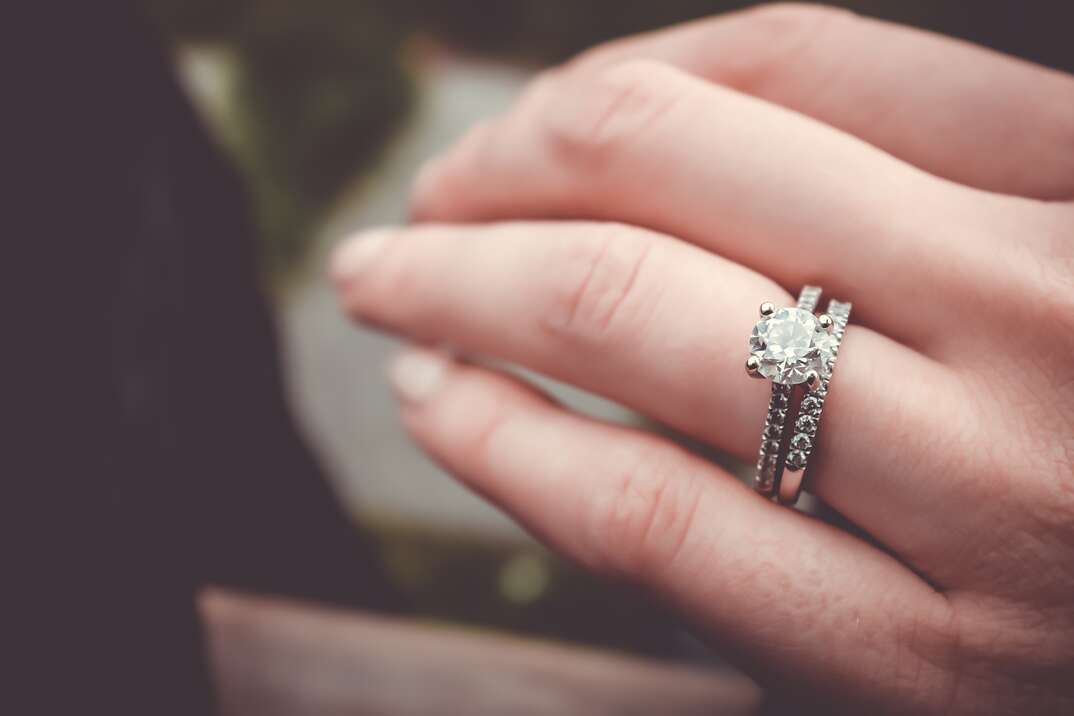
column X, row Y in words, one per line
column 326, row 109
column 329, row 108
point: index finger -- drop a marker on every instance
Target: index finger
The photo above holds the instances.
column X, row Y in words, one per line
column 938, row 103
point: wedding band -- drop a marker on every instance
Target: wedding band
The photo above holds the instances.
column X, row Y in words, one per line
column 769, row 467
column 791, row 347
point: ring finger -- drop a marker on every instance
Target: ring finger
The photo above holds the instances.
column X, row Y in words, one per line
column 660, row 325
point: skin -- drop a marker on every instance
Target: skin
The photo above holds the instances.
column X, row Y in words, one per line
column 617, row 230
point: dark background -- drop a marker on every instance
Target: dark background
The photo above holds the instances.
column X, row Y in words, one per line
column 150, row 450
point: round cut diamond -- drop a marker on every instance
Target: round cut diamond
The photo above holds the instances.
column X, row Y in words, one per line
column 796, row 460
column 810, row 404
column 789, row 344
column 806, row 424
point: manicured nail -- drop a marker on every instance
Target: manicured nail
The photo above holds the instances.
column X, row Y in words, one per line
column 356, row 254
column 416, row 374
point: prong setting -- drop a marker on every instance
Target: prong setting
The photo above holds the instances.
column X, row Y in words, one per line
column 790, row 347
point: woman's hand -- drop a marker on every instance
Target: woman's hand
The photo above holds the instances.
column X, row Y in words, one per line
column 619, row 227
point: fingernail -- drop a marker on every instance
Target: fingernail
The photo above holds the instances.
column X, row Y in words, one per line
column 416, row 374
column 356, row 254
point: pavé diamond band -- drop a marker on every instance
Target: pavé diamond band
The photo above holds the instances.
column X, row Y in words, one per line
column 791, row 347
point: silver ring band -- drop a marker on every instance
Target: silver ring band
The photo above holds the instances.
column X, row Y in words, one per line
column 772, row 440
column 791, row 347
column 807, row 422
column 768, row 460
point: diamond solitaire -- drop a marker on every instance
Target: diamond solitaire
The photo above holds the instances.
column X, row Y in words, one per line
column 791, row 345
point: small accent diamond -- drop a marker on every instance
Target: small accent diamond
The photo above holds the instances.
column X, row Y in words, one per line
column 810, row 404
column 806, row 424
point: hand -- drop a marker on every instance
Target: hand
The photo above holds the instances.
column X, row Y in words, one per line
column 619, row 227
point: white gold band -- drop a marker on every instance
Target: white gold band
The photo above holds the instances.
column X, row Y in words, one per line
column 793, row 346
column 807, row 422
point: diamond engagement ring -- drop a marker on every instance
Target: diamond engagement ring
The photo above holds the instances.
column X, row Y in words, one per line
column 792, row 347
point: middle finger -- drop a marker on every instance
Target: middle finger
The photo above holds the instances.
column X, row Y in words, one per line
column 771, row 189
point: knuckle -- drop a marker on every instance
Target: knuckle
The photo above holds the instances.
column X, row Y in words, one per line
column 595, row 287
column 644, row 523
column 1040, row 508
column 590, row 119
column 1053, row 297
column 1036, row 376
column 1042, row 270
column 928, row 644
